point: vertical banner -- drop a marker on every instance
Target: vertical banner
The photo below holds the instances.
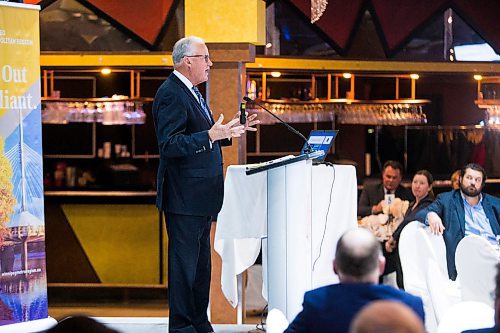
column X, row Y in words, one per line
column 23, row 282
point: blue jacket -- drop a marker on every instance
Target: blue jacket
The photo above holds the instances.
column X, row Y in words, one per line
column 190, row 173
column 450, row 207
column 331, row 309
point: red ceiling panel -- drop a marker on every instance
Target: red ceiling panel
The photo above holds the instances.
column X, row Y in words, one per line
column 145, row 18
column 398, row 19
column 338, row 20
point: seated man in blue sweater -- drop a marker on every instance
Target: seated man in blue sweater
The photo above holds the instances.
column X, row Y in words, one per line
column 358, row 263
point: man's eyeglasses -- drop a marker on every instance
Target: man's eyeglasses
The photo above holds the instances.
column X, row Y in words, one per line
column 205, row 56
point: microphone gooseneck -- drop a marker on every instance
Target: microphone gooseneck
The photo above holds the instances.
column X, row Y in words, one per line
column 308, row 149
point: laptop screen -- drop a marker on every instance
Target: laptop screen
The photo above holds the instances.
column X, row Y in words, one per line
column 320, row 141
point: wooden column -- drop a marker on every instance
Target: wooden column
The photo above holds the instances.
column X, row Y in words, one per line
column 225, row 90
column 230, row 29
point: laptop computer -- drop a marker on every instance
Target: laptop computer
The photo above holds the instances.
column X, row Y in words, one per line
column 320, row 141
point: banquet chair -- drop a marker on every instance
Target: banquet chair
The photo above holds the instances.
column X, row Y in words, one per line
column 411, row 244
column 443, row 292
column 276, row 321
column 409, row 252
column 476, row 260
column 439, row 247
column 466, row 316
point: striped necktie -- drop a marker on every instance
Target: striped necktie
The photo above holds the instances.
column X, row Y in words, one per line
column 202, row 103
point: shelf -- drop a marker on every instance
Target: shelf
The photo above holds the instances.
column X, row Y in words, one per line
column 349, row 101
column 98, row 99
column 487, row 103
column 108, row 111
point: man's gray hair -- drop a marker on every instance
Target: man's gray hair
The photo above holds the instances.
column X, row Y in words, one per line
column 183, row 47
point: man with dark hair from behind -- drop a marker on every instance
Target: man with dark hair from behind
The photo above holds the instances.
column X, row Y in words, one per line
column 387, row 317
column 495, row 329
column 358, row 263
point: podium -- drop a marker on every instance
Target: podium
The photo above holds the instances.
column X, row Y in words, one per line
column 287, row 205
column 289, row 244
column 287, row 251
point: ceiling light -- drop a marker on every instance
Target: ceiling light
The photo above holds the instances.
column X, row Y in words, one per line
column 106, row 71
column 347, row 75
column 275, row 74
column 414, row 76
column 478, row 77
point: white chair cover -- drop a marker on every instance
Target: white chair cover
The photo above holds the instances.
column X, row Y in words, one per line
column 276, row 322
column 466, row 316
column 423, row 259
column 476, row 259
column 409, row 253
column 443, row 292
column 439, row 248
column 411, row 244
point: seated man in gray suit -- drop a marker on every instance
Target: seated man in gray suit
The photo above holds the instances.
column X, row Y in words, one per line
column 462, row 212
column 372, row 197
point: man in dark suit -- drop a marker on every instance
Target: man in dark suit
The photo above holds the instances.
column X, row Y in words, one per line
column 463, row 212
column 371, row 200
column 358, row 263
column 190, row 181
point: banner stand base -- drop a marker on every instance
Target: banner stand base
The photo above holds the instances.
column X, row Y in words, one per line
column 34, row 326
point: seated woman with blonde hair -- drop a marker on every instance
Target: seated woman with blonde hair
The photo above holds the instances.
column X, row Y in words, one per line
column 455, row 185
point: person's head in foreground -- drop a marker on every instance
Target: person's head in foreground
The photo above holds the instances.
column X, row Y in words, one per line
column 80, row 324
column 387, row 317
column 358, row 258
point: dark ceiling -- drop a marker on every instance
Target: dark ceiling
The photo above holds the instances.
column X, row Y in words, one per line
column 359, row 29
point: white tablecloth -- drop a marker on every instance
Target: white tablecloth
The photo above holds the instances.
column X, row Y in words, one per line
column 241, row 224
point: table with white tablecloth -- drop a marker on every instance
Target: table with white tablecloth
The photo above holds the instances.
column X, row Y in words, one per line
column 242, row 222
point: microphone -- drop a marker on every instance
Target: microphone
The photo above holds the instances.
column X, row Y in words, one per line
column 243, row 114
column 308, row 149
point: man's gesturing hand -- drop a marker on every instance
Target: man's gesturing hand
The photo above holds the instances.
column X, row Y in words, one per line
column 251, row 121
column 219, row 131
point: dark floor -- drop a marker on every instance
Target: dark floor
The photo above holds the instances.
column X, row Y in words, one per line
column 115, row 302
